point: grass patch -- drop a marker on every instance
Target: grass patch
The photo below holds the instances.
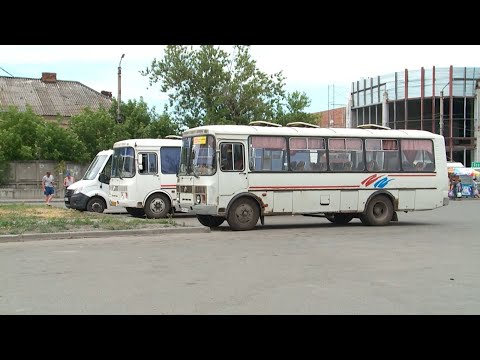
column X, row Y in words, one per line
column 34, row 219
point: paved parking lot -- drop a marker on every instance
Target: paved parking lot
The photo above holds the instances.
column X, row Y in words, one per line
column 427, row 263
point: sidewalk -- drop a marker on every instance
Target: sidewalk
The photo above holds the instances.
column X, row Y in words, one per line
column 16, row 201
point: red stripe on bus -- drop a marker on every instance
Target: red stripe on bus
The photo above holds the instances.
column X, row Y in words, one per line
column 411, row 175
column 304, row 187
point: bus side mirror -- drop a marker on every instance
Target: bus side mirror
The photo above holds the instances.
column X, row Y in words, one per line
column 140, row 162
column 104, row 179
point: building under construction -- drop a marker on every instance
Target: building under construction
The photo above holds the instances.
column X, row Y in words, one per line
column 441, row 100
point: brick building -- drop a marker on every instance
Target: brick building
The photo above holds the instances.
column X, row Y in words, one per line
column 331, row 118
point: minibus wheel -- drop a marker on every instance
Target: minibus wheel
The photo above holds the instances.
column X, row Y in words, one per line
column 243, row 214
column 157, row 206
column 96, row 205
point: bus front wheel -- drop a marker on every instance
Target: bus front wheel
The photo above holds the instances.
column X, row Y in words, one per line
column 210, row 221
column 96, row 205
column 379, row 211
column 243, row 215
column 157, row 206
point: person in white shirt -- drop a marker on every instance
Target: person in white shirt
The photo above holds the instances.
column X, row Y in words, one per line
column 47, row 187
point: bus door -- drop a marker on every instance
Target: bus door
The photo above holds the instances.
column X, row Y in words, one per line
column 233, row 176
column 148, row 173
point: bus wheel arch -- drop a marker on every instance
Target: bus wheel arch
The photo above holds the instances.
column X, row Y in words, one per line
column 379, row 209
column 158, row 205
column 243, row 212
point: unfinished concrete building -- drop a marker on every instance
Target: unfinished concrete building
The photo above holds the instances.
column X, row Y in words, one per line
column 441, row 100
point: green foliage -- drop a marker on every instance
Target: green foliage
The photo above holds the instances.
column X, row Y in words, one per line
column 60, row 144
column 19, row 134
column 210, row 86
column 292, row 111
column 4, row 167
column 161, row 127
column 95, row 129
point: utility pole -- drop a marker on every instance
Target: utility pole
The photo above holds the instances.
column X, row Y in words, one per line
column 441, row 111
column 119, row 100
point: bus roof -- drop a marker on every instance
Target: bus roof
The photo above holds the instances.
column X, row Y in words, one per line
column 147, row 142
column 307, row 131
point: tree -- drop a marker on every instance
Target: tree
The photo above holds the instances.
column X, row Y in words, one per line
column 95, row 129
column 19, row 134
column 161, row 127
column 293, row 110
column 60, row 144
column 207, row 85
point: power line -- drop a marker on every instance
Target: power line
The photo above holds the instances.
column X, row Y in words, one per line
column 6, row 71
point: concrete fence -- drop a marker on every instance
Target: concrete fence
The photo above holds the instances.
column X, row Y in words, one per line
column 25, row 178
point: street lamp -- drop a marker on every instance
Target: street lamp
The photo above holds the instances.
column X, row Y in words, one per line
column 119, row 100
column 441, row 108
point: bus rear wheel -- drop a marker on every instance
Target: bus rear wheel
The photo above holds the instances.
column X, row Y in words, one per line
column 243, row 215
column 210, row 221
column 339, row 219
column 157, row 206
column 379, row 211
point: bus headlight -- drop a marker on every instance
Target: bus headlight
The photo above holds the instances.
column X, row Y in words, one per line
column 199, row 199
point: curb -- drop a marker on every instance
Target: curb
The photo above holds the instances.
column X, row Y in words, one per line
column 92, row 234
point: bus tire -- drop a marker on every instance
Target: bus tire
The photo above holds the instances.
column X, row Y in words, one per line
column 243, row 214
column 96, row 204
column 379, row 211
column 210, row 221
column 135, row 212
column 339, row 219
column 157, row 206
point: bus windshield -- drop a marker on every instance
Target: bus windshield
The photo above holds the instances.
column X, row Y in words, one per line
column 198, row 156
column 95, row 167
column 123, row 162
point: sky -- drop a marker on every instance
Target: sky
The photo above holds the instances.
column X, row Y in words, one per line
column 324, row 72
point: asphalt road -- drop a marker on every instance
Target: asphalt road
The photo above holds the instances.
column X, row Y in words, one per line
column 427, row 263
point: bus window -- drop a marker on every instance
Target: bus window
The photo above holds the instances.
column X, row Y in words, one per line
column 232, row 157
column 170, row 158
column 268, row 153
column 307, row 154
column 149, row 162
column 345, row 154
column 416, row 154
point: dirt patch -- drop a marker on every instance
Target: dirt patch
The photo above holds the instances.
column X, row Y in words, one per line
column 47, row 212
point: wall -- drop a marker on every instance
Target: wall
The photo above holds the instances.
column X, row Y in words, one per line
column 25, row 178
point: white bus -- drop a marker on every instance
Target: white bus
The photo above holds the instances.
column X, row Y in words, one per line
column 143, row 176
column 242, row 173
